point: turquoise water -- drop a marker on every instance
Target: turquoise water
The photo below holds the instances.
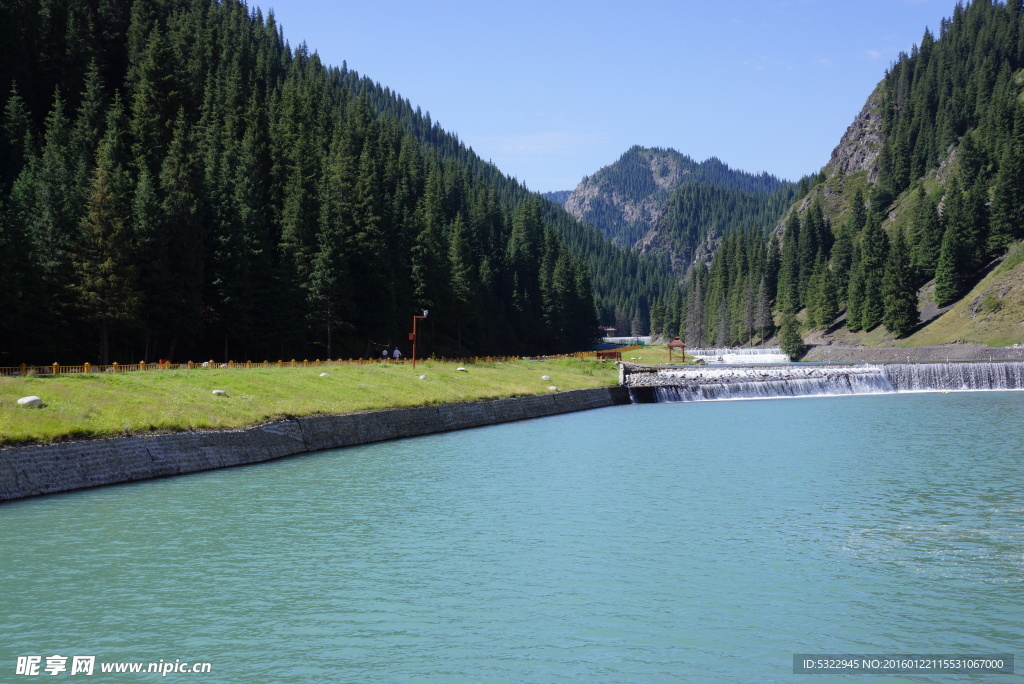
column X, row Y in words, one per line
column 702, row 542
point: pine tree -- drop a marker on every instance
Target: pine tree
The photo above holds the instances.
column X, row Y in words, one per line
column 789, row 273
column 949, row 276
column 901, row 313
column 790, row 341
column 105, row 288
column 765, row 323
column 181, row 222
column 925, row 236
column 955, row 255
column 694, row 335
column 464, row 283
column 1007, row 218
column 855, row 293
column 826, row 299
column 874, row 251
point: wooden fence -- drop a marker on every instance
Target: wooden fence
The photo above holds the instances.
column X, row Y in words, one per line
column 60, row 369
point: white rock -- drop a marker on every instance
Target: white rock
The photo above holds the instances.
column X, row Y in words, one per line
column 206, row 364
column 423, row 377
column 31, row 402
column 324, row 375
column 545, row 377
column 461, row 370
column 553, row 388
column 220, row 393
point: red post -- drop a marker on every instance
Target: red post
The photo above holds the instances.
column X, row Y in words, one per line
column 412, row 336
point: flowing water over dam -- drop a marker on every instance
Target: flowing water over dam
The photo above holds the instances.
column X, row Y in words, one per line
column 727, row 355
column 763, row 382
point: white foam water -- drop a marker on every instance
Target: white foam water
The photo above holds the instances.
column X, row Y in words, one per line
column 706, row 384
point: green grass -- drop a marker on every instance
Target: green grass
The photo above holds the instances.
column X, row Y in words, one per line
column 991, row 313
column 104, row 405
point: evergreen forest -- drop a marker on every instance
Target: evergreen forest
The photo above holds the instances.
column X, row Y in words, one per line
column 177, row 181
column 943, row 201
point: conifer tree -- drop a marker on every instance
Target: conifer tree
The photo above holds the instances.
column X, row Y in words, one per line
column 790, row 340
column 105, row 288
column 901, row 313
column 855, row 293
column 1007, row 217
column 925, row 236
column 694, row 336
column 765, row 323
column 874, row 251
column 789, row 273
column 955, row 255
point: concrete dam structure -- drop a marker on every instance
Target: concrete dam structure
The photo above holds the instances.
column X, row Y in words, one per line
column 649, row 385
column 737, row 355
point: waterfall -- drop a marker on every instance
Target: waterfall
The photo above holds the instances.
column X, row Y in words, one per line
column 955, row 377
column 707, row 384
column 739, row 351
column 740, row 355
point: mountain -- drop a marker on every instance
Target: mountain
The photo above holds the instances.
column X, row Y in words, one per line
column 559, row 197
column 930, row 175
column 626, row 199
column 177, row 181
column 911, row 232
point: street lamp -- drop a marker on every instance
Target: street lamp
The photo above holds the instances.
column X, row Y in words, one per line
column 412, row 336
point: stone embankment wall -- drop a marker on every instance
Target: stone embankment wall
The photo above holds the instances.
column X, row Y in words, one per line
column 49, row 468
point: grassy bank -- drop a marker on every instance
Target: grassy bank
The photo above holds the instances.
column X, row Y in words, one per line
column 105, row 405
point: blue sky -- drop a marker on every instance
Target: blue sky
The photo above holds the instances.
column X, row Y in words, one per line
column 553, row 90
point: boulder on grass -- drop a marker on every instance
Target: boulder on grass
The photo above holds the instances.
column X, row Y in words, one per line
column 220, row 393
column 30, row 402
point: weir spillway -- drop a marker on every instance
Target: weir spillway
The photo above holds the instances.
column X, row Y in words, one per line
column 703, row 383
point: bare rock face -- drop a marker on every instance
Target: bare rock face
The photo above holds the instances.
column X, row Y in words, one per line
column 860, row 146
column 595, row 196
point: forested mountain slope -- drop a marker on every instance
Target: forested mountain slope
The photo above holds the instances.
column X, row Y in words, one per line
column 924, row 191
column 928, row 181
column 626, row 199
column 177, row 181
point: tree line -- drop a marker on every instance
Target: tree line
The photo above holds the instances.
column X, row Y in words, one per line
column 177, row 181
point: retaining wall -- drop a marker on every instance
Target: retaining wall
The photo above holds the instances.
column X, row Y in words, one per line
column 49, row 468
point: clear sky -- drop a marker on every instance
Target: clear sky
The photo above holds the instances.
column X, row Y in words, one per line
column 552, row 90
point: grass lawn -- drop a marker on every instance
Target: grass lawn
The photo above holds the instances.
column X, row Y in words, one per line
column 104, row 405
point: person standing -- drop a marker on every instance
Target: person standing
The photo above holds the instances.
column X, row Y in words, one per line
column 397, row 355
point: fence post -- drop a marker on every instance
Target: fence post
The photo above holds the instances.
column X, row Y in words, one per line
column 190, row 365
column 115, row 366
column 142, row 365
column 24, row 370
column 56, row 368
column 86, row 367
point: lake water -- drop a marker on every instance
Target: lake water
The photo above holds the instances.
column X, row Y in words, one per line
column 700, row 542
